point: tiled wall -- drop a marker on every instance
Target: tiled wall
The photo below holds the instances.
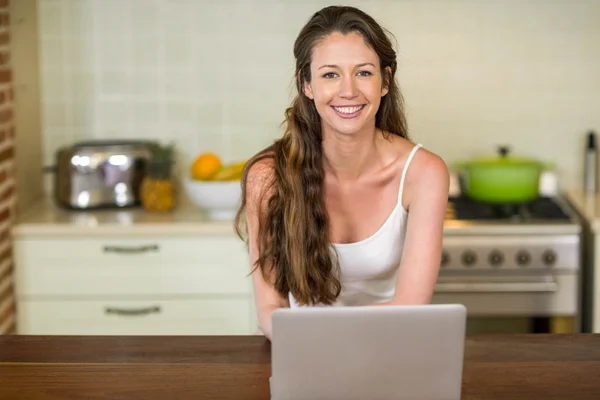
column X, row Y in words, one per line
column 216, row 75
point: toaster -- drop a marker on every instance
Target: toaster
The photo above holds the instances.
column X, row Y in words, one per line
column 101, row 174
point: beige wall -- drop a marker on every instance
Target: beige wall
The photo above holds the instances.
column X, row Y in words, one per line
column 22, row 172
column 216, row 75
column 28, row 141
column 8, row 193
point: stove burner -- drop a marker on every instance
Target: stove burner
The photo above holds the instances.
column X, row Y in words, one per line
column 544, row 208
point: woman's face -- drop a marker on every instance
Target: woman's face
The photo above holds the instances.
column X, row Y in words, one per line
column 346, row 83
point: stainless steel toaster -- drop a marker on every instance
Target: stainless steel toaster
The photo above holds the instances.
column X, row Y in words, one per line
column 101, row 174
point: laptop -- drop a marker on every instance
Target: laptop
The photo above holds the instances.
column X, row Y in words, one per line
column 387, row 352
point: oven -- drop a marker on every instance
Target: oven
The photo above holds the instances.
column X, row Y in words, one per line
column 515, row 267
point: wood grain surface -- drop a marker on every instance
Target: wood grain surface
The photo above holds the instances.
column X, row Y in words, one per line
column 554, row 366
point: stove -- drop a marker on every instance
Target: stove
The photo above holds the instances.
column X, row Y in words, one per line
column 511, row 259
column 544, row 210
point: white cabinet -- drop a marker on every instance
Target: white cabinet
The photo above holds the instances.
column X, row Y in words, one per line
column 147, row 285
column 595, row 285
column 588, row 209
column 191, row 316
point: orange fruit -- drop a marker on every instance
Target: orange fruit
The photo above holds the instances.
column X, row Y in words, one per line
column 205, row 166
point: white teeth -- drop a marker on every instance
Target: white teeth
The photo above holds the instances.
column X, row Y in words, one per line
column 348, row 110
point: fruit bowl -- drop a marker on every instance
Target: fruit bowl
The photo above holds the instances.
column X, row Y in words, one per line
column 220, row 199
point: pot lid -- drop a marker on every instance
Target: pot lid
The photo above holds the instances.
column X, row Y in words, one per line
column 503, row 159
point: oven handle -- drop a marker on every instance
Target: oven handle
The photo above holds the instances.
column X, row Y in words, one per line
column 496, row 287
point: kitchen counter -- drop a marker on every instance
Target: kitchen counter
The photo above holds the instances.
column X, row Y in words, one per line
column 559, row 366
column 46, row 218
column 588, row 205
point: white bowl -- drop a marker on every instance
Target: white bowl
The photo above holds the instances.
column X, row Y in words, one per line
column 220, row 200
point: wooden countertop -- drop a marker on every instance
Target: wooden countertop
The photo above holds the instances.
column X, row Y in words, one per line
column 560, row 366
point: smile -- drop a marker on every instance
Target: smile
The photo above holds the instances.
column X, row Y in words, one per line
column 348, row 112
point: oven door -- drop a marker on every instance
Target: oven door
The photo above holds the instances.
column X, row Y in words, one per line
column 513, row 304
column 541, row 295
column 497, row 284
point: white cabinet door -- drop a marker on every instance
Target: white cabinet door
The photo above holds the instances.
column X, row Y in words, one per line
column 125, row 266
column 202, row 316
column 174, row 285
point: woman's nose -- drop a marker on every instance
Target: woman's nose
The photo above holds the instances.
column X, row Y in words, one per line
column 348, row 87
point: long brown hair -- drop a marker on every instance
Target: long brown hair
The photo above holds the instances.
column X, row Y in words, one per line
column 293, row 231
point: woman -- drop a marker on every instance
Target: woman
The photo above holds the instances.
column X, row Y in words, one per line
column 334, row 215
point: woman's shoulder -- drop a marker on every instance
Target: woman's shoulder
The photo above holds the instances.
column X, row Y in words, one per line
column 426, row 170
column 261, row 170
column 259, row 178
column 422, row 159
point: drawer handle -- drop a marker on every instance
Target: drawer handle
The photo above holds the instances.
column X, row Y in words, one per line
column 133, row 311
column 131, row 250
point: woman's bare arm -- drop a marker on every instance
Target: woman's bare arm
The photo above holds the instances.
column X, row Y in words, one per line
column 427, row 197
column 266, row 298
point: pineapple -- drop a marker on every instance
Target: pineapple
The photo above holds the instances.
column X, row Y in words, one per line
column 160, row 164
column 158, row 191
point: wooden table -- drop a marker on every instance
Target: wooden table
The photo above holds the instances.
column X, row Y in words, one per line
column 539, row 367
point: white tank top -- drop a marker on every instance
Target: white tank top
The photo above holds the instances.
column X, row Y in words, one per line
column 368, row 267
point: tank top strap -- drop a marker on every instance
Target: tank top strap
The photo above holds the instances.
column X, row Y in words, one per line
column 408, row 160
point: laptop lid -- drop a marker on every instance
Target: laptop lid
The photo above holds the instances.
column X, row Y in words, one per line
column 381, row 352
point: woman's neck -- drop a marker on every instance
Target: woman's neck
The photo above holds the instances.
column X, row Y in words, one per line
column 348, row 157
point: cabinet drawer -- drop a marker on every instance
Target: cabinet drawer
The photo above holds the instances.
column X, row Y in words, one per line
column 128, row 250
column 201, row 316
column 129, row 266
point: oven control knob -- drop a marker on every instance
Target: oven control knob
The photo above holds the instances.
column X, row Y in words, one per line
column 523, row 258
column 469, row 258
column 496, row 258
column 445, row 259
column 549, row 257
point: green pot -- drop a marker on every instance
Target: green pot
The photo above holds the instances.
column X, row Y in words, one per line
column 502, row 180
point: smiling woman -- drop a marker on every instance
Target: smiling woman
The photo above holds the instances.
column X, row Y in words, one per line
column 346, row 95
column 334, row 216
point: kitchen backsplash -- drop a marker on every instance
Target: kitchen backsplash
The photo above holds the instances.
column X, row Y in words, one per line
column 217, row 76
